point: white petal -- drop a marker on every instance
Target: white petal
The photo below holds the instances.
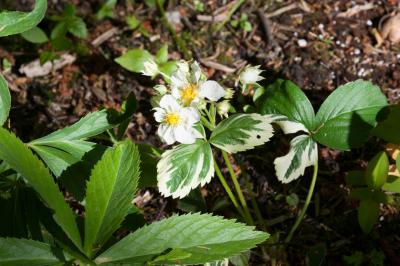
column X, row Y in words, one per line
column 169, row 103
column 183, row 66
column 166, row 134
column 251, row 75
column 184, row 135
column 189, row 115
column 159, row 114
column 176, row 92
column 211, row 90
column 196, row 72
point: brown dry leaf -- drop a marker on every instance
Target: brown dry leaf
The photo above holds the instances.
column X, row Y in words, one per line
column 391, row 29
column 393, row 150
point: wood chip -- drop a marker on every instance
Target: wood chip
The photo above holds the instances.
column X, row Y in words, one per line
column 355, row 10
column 105, row 36
column 34, row 69
column 217, row 66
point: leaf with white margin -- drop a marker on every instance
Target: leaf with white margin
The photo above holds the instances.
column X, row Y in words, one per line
column 303, row 153
column 184, row 167
column 288, row 126
column 242, row 132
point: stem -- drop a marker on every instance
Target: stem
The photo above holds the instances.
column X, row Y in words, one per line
column 228, row 17
column 207, row 123
column 237, row 187
column 303, row 211
column 178, row 41
column 228, row 190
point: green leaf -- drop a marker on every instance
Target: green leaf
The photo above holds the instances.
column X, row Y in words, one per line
column 303, row 153
column 184, row 167
column 389, row 128
column 148, row 165
column 168, row 68
column 59, row 30
column 106, row 10
column 21, row 159
column 66, row 146
column 35, row 35
column 285, row 98
column 392, row 185
column 377, row 170
column 348, row 115
column 16, row 252
column 356, row 178
column 133, row 60
column 14, row 22
column 364, row 194
column 242, row 132
column 5, row 100
column 132, row 21
column 207, row 238
column 316, row 255
column 398, row 162
column 77, row 27
column 109, row 193
column 162, row 54
column 368, row 213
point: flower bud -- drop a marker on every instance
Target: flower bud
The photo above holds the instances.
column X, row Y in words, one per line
column 250, row 75
column 223, row 108
column 161, row 89
column 229, row 93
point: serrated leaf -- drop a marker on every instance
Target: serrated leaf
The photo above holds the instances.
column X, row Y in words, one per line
column 133, row 60
column 242, row 132
column 5, row 100
column 303, row 153
column 16, row 252
column 392, row 185
column 35, row 35
column 109, row 193
column 14, row 22
column 21, row 159
column 348, row 115
column 207, row 238
column 285, row 98
column 389, row 128
column 377, row 170
column 368, row 213
column 162, row 54
column 184, row 167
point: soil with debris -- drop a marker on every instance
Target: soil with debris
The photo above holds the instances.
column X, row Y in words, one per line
column 319, row 45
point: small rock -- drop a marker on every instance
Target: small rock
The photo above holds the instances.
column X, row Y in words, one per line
column 302, row 43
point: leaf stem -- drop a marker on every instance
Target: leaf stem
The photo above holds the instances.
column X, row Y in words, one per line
column 229, row 15
column 207, row 123
column 228, row 190
column 237, row 188
column 178, row 41
column 307, row 202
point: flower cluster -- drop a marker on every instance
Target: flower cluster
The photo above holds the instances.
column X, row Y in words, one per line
column 180, row 106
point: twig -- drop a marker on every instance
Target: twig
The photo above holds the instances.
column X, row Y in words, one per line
column 282, row 10
column 105, row 36
column 178, row 41
column 217, row 66
column 229, row 15
column 355, row 10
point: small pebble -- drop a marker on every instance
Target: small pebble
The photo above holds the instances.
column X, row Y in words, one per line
column 357, row 51
column 369, row 22
column 302, row 43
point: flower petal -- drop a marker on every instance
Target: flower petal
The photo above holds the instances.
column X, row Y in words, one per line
column 212, row 90
column 159, row 114
column 189, row 115
column 196, row 72
column 166, row 134
column 169, row 103
column 184, row 135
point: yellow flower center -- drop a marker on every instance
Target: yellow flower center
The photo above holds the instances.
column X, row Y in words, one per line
column 189, row 93
column 172, row 119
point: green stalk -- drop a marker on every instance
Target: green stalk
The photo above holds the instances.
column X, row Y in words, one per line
column 228, row 190
column 303, row 211
column 237, row 188
column 178, row 41
column 228, row 17
column 207, row 123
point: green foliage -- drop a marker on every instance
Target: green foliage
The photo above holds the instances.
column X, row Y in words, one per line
column 134, row 59
column 16, row 252
column 392, row 184
column 242, row 132
column 21, row 159
column 68, row 22
column 5, row 100
column 389, row 128
column 109, row 193
column 35, row 35
column 210, row 238
column 14, row 22
column 243, row 23
column 377, row 171
column 368, row 214
column 184, row 167
column 398, row 162
column 106, row 10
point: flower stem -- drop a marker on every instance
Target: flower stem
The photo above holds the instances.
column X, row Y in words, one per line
column 303, row 211
column 178, row 41
column 207, row 123
column 237, row 187
column 228, row 190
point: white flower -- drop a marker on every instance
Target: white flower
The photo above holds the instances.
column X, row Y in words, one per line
column 150, row 68
column 176, row 121
column 189, row 85
column 250, row 75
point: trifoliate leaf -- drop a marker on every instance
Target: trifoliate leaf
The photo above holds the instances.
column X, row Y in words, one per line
column 242, row 132
column 184, row 168
column 303, row 153
column 206, row 238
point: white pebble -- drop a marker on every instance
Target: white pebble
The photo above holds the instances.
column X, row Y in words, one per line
column 302, row 43
column 369, row 22
column 357, row 51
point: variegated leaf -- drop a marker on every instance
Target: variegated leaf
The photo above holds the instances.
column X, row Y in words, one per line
column 184, row 168
column 242, row 132
column 303, row 153
column 288, row 126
